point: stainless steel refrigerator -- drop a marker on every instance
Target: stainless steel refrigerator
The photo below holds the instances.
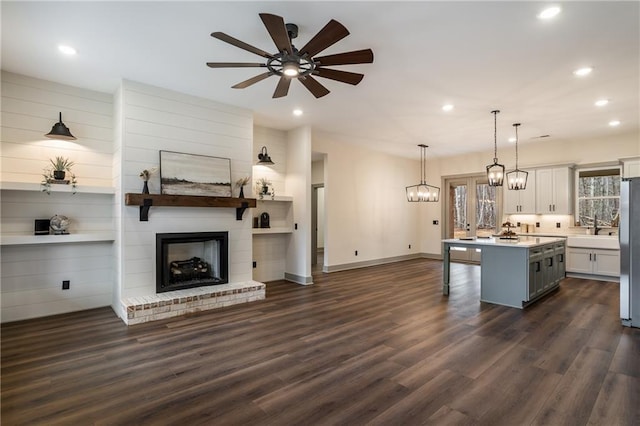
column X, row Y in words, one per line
column 630, row 252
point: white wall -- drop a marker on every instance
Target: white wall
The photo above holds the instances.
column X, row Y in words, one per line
column 365, row 204
column 298, row 184
column 155, row 119
column 32, row 274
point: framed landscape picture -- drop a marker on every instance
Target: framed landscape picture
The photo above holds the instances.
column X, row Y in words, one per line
column 190, row 174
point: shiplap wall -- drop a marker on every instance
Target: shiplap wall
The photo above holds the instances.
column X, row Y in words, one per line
column 269, row 250
column 155, row 119
column 31, row 276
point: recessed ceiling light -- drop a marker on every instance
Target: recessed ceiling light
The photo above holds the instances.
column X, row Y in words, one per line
column 297, row 112
column 581, row 72
column 447, row 107
column 614, row 123
column 602, row 102
column 67, row 50
column 549, row 12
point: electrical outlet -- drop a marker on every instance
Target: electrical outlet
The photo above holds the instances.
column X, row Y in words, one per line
column 557, row 224
column 537, row 224
column 255, row 264
column 356, row 252
column 518, row 224
column 66, row 284
column 409, row 246
column 295, row 226
column 436, row 222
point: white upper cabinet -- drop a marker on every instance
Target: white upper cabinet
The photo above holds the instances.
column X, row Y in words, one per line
column 631, row 167
column 553, row 190
column 522, row 201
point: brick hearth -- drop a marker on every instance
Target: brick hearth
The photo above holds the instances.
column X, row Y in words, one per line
column 173, row 303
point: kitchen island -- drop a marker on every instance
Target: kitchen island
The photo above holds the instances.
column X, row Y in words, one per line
column 513, row 272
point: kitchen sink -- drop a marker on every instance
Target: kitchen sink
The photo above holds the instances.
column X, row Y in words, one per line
column 594, row 241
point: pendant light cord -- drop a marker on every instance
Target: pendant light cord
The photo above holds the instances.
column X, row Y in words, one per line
column 495, row 136
column 516, row 126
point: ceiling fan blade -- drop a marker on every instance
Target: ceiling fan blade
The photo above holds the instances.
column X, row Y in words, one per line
column 278, row 31
column 341, row 76
column 241, row 44
column 347, row 58
column 331, row 33
column 252, row 80
column 282, row 88
column 235, row 64
column 317, row 89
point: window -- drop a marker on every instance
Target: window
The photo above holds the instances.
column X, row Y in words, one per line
column 598, row 196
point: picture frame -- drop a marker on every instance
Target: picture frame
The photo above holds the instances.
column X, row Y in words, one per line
column 192, row 174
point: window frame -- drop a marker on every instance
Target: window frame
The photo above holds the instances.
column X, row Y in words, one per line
column 576, row 197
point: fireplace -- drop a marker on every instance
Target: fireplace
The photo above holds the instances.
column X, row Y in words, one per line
column 193, row 259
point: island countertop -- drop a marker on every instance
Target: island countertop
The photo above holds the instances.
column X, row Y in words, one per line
column 521, row 242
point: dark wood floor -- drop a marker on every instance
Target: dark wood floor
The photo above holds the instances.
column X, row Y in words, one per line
column 379, row 345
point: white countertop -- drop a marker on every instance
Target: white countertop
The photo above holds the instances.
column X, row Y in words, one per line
column 521, row 242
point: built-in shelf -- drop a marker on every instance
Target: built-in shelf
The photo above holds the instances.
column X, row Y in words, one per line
column 279, row 230
column 80, row 189
column 145, row 201
column 18, row 239
column 277, row 198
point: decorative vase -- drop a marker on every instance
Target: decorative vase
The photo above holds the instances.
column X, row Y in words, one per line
column 145, row 188
column 265, row 190
column 241, row 195
column 59, row 174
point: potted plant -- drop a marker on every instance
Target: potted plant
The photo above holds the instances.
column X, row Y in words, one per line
column 61, row 165
column 56, row 173
column 264, row 187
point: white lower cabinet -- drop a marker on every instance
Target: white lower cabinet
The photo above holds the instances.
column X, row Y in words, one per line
column 593, row 261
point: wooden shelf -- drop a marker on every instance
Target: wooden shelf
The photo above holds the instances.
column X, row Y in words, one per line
column 18, row 239
column 145, row 201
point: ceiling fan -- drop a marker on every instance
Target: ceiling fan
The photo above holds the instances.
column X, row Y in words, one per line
column 289, row 63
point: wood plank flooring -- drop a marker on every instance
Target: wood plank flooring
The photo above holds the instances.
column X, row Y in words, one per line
column 379, row 346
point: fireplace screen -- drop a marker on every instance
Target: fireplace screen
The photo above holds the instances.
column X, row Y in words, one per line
column 187, row 260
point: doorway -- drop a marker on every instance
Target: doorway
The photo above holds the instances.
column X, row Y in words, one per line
column 471, row 207
column 317, row 225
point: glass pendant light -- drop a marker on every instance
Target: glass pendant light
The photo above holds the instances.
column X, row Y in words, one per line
column 495, row 171
column 423, row 192
column 517, row 179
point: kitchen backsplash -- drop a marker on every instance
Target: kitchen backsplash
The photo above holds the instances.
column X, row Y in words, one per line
column 550, row 224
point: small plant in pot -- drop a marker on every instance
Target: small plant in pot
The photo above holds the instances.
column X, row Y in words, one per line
column 61, row 165
column 56, row 173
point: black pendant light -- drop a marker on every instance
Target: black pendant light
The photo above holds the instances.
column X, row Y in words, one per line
column 264, row 158
column 60, row 131
column 423, row 192
column 517, row 179
column 495, row 171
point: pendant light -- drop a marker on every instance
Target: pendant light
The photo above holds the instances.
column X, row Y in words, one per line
column 495, row 171
column 60, row 131
column 423, row 192
column 264, row 158
column 517, row 179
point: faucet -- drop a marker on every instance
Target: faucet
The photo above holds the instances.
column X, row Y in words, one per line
column 595, row 225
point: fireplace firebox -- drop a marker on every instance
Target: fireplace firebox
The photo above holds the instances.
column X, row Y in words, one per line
column 193, row 259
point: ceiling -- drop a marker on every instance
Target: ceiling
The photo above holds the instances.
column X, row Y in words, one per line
column 478, row 56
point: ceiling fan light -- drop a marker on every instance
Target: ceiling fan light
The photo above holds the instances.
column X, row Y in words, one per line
column 290, row 69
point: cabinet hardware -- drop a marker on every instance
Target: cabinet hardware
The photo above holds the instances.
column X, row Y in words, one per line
column 590, row 255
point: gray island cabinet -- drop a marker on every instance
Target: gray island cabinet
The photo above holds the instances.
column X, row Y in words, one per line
column 513, row 272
